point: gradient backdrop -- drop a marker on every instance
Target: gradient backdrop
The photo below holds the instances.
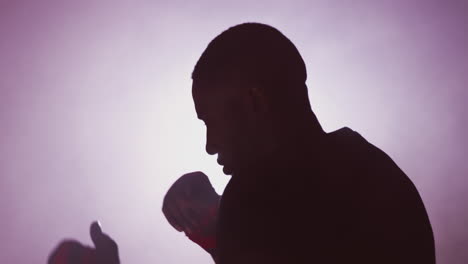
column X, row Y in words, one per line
column 97, row 119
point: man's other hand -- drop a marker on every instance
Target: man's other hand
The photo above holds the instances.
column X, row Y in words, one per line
column 73, row 252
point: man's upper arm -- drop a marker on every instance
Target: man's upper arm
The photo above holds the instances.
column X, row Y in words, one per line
column 399, row 230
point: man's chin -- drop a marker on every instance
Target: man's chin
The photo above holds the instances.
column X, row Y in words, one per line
column 227, row 170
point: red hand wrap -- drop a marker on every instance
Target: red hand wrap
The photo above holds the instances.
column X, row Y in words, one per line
column 71, row 253
column 206, row 242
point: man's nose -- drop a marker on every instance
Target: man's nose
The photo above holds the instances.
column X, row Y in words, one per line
column 210, row 150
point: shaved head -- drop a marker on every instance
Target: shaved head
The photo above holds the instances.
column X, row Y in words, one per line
column 253, row 54
column 249, row 89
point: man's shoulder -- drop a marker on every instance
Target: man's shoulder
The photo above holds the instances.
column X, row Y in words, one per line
column 353, row 148
column 373, row 171
column 346, row 140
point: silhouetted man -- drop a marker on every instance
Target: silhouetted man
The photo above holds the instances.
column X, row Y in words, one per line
column 297, row 194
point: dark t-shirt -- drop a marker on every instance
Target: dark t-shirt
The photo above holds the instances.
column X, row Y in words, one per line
column 341, row 200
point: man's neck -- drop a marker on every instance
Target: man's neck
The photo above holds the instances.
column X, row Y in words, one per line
column 297, row 136
column 298, row 129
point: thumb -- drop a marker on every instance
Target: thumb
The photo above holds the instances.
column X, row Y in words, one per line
column 99, row 238
column 96, row 234
column 95, row 230
column 106, row 247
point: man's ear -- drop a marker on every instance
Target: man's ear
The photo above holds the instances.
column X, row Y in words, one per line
column 258, row 99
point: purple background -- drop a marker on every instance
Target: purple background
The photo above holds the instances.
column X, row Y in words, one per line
column 97, row 118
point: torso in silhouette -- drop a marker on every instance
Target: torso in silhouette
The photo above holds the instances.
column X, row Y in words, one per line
column 340, row 201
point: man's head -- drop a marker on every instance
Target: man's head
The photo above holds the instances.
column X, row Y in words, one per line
column 248, row 88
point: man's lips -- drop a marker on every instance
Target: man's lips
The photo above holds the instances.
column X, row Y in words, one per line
column 226, row 168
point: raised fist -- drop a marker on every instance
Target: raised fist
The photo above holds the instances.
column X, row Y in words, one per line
column 191, row 205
